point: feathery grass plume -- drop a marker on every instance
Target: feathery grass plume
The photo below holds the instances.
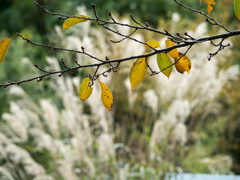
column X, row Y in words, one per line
column 184, row 97
column 220, row 164
column 151, row 99
column 77, row 138
column 5, row 174
column 16, row 156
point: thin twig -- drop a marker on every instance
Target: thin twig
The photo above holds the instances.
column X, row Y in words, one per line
column 58, row 48
column 183, row 42
column 116, row 32
column 134, row 20
column 149, row 66
column 208, row 17
column 124, row 37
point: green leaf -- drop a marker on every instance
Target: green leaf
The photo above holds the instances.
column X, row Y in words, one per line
column 72, row 21
column 85, row 90
column 164, row 61
column 237, row 8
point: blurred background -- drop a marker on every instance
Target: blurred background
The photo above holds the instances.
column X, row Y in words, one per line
column 188, row 123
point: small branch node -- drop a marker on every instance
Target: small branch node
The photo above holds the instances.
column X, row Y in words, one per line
column 110, row 15
column 115, row 69
column 74, row 72
column 82, row 49
column 39, row 79
column 63, row 62
column 60, row 75
column 104, row 74
column 77, row 63
column 91, row 83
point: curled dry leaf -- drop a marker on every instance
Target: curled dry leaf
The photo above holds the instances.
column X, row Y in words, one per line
column 72, row 21
column 209, row 3
column 184, row 64
column 164, row 61
column 138, row 72
column 153, row 43
column 85, row 90
column 4, row 46
column 173, row 53
column 107, row 98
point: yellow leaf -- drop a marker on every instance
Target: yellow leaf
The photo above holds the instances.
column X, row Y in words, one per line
column 173, row 53
column 164, row 61
column 72, row 21
column 209, row 2
column 4, row 46
column 184, row 64
column 200, row 2
column 138, row 72
column 85, row 90
column 237, row 8
column 153, row 43
column 107, row 97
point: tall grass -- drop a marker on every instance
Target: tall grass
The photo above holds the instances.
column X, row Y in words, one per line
column 151, row 131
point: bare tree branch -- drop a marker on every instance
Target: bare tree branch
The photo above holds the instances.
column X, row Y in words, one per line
column 182, row 41
column 208, row 17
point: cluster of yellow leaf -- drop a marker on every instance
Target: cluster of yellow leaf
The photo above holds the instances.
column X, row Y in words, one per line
column 85, row 92
column 85, row 89
column 209, row 2
column 139, row 68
